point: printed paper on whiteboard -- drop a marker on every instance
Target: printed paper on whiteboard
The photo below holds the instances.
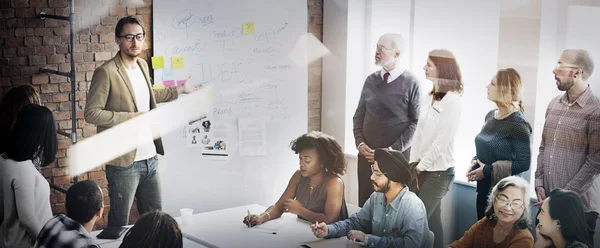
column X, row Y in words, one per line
column 252, row 137
column 215, row 143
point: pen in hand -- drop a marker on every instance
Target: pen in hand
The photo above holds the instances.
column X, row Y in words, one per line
column 248, row 218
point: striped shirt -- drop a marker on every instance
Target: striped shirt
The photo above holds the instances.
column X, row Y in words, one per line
column 569, row 155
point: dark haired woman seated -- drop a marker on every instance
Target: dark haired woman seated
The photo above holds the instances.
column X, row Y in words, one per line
column 316, row 191
column 562, row 222
column 155, row 229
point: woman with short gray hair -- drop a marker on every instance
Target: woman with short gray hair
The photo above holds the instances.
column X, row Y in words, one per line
column 506, row 218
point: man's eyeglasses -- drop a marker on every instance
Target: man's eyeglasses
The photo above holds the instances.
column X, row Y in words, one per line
column 130, row 37
column 516, row 204
column 376, row 173
column 382, row 48
column 560, row 66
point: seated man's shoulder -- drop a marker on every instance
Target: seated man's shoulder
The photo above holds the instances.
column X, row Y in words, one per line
column 412, row 200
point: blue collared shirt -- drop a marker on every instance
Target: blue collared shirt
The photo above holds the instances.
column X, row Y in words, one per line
column 402, row 223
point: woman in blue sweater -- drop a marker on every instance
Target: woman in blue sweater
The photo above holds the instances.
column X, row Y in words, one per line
column 503, row 145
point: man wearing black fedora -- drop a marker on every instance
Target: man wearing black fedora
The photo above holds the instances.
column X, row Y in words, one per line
column 393, row 216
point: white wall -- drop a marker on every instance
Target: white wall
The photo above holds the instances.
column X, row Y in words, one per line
column 579, row 19
column 335, row 38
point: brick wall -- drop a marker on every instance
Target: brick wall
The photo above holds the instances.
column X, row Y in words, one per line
column 28, row 43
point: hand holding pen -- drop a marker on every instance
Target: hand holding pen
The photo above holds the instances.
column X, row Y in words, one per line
column 320, row 230
column 253, row 220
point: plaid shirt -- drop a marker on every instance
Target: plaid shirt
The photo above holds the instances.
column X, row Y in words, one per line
column 569, row 155
column 63, row 232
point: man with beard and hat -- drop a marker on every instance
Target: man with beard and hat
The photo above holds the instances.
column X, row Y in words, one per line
column 569, row 155
column 393, row 216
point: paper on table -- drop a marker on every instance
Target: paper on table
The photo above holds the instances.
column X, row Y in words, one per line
column 271, row 227
column 252, row 137
column 339, row 242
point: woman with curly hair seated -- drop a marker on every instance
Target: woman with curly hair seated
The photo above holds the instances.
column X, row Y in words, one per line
column 315, row 192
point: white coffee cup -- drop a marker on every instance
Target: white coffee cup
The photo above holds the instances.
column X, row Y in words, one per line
column 187, row 216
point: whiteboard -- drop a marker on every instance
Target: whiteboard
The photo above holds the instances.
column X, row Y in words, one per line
column 251, row 75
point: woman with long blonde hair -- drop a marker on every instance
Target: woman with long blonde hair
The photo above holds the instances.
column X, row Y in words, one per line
column 503, row 145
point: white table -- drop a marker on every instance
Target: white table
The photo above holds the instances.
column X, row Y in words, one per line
column 224, row 229
column 112, row 243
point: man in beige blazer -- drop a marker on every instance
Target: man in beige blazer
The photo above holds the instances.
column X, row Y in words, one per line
column 120, row 90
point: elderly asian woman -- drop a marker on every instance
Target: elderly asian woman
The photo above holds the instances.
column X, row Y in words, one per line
column 506, row 218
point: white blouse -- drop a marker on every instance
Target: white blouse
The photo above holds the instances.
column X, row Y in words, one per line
column 433, row 143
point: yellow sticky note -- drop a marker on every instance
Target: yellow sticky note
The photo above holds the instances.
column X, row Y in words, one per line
column 158, row 62
column 158, row 86
column 248, row 28
column 177, row 62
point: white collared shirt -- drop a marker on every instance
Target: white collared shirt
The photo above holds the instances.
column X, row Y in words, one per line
column 433, row 143
column 395, row 73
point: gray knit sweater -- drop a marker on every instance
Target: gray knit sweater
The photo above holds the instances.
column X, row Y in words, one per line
column 387, row 125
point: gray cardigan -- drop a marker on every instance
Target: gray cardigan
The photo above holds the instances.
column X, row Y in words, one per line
column 387, row 125
column 25, row 203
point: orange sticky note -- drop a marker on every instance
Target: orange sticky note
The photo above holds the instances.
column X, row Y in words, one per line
column 177, row 62
column 248, row 28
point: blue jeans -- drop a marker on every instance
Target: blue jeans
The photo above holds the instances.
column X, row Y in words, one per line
column 140, row 180
column 434, row 186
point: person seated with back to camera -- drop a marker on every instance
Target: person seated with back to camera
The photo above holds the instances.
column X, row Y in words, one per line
column 154, row 229
column 315, row 192
column 84, row 204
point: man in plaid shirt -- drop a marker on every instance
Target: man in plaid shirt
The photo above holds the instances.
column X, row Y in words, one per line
column 569, row 155
column 84, row 205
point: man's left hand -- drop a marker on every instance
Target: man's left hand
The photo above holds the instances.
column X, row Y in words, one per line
column 356, row 236
column 187, row 87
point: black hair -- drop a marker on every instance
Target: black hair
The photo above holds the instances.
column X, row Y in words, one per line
column 83, row 201
column 127, row 20
column 13, row 101
column 566, row 207
column 330, row 152
column 155, row 229
column 34, row 135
